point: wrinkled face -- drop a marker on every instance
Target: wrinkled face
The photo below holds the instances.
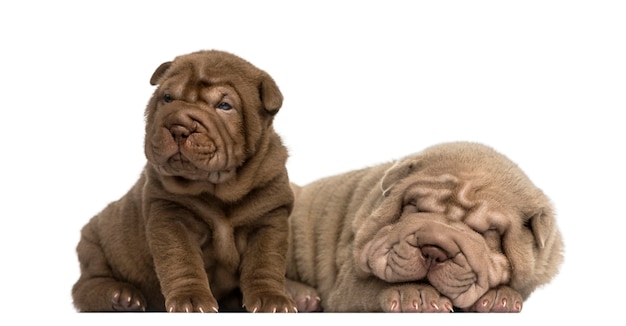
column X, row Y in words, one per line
column 441, row 232
column 209, row 116
column 197, row 130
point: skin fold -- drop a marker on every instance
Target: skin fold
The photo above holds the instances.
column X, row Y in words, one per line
column 457, row 226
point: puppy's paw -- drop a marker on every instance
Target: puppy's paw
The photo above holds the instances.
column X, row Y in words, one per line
column 500, row 299
column 304, row 296
column 196, row 302
column 269, row 302
column 127, row 298
column 412, row 297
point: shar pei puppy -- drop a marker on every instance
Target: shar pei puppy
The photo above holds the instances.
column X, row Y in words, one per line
column 209, row 213
column 457, row 226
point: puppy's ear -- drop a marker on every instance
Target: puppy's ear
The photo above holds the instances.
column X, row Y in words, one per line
column 154, row 80
column 397, row 172
column 271, row 96
column 541, row 224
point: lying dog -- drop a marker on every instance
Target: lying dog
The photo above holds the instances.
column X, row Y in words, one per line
column 209, row 213
column 457, row 226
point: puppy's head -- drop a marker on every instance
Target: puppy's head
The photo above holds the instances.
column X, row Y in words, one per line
column 207, row 117
column 464, row 219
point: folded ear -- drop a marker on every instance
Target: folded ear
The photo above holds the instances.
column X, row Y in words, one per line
column 271, row 96
column 534, row 261
column 154, row 80
column 397, row 172
column 542, row 224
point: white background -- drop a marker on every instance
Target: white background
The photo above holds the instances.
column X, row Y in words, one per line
column 364, row 82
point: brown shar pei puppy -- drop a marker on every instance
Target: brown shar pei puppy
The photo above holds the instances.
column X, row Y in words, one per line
column 209, row 214
column 455, row 227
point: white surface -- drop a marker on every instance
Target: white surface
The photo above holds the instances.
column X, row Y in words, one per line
column 364, row 82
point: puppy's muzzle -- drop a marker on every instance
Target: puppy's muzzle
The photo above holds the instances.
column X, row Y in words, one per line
column 179, row 132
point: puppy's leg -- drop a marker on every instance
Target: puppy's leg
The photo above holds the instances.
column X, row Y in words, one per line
column 500, row 299
column 178, row 262
column 97, row 289
column 263, row 266
column 305, row 297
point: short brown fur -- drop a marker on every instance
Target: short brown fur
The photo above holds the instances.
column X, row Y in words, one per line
column 208, row 216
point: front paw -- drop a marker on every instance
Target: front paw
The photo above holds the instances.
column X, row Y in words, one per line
column 500, row 299
column 269, row 302
column 305, row 296
column 413, row 297
column 200, row 301
column 127, row 298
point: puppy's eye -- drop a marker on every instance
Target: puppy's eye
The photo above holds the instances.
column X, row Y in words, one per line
column 492, row 230
column 410, row 207
column 492, row 238
column 167, row 98
column 224, row 106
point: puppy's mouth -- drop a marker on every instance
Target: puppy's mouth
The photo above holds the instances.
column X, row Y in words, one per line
column 180, row 162
column 188, row 154
column 180, row 167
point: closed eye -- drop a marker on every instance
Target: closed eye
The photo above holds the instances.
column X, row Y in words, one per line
column 410, row 207
column 493, row 238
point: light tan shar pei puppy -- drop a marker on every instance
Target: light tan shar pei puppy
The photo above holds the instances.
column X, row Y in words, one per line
column 456, row 227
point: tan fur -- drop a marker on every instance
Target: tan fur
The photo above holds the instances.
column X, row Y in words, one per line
column 208, row 216
column 457, row 225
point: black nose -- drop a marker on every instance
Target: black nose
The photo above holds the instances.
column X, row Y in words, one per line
column 434, row 254
column 179, row 132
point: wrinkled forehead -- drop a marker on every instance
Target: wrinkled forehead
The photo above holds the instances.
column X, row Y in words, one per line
column 187, row 77
column 204, row 73
column 471, row 200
